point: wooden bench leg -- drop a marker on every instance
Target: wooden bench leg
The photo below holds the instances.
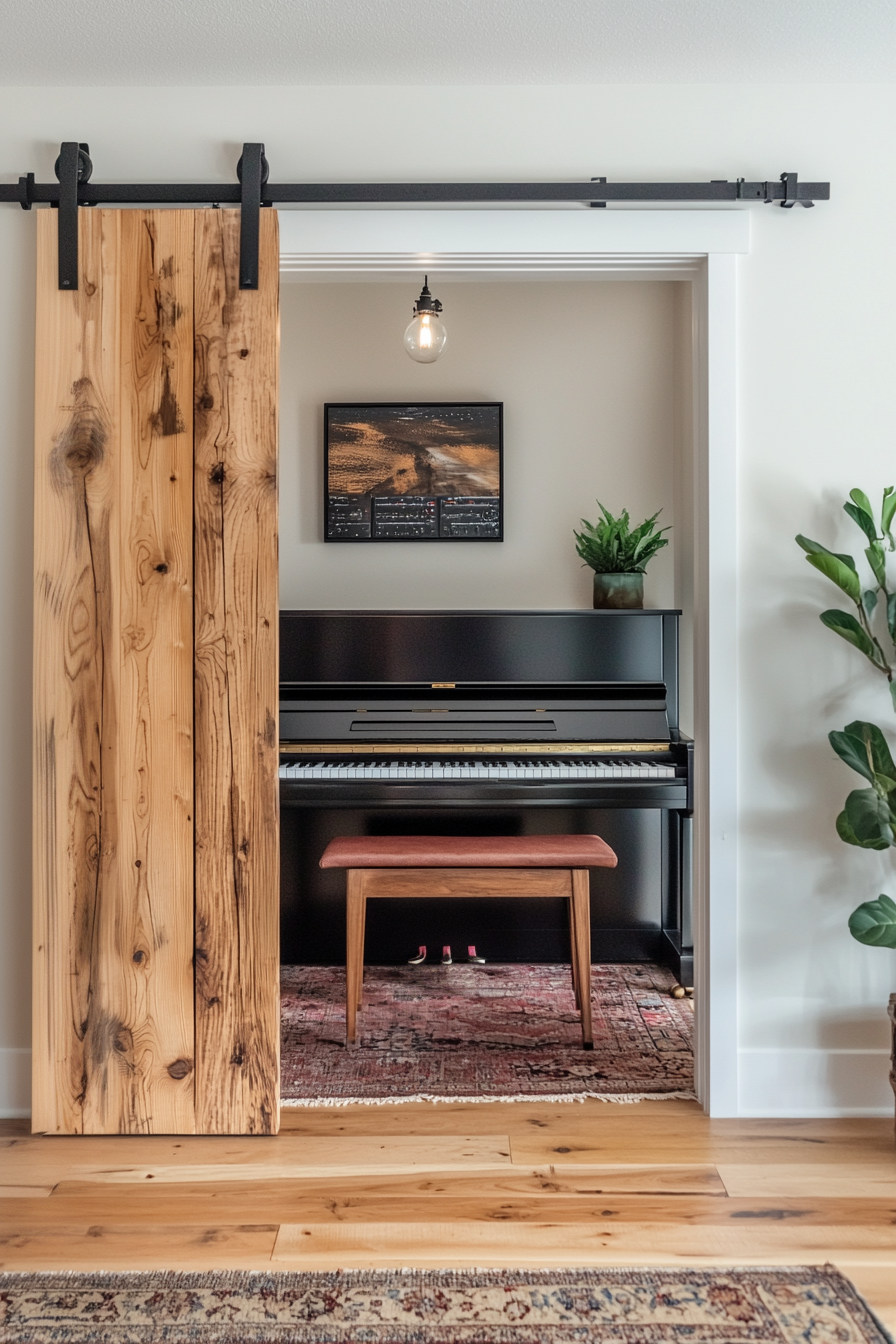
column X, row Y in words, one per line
column 581, row 950
column 355, row 902
column 572, row 951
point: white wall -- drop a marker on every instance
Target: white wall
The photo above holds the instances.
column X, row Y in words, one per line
column 818, row 339
column 585, row 371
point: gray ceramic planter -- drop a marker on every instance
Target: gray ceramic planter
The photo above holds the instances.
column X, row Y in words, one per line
column 618, row 591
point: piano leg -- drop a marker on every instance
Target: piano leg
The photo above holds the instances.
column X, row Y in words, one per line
column 355, row 906
column 581, row 949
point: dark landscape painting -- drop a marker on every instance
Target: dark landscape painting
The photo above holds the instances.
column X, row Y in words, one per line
column 426, row 450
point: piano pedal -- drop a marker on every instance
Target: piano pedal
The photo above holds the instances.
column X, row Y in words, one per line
column 420, row 957
column 447, row 959
column 473, row 958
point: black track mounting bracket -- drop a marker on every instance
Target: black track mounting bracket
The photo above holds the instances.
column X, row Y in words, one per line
column 72, row 167
column 252, row 171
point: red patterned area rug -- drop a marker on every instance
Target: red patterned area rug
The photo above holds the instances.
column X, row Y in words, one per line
column 483, row 1033
column 589, row 1306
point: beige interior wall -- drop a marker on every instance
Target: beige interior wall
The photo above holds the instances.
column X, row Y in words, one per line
column 586, row 372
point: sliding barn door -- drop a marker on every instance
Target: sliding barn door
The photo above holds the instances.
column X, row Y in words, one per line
column 155, row 676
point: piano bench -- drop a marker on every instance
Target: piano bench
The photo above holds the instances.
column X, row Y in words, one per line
column 446, row 866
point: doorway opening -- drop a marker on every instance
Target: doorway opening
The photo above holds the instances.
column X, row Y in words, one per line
column 695, row 286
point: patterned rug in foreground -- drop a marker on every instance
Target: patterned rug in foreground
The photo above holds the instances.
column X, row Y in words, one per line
column 483, row 1033
column 675, row 1306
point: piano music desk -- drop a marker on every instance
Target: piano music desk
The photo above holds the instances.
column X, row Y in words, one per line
column 464, row 866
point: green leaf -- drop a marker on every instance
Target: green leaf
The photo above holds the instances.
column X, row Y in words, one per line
column 891, row 616
column 834, row 567
column 887, row 510
column 869, row 602
column 874, row 923
column 893, row 693
column 876, row 558
column 845, row 831
column 863, row 747
column 869, row 820
column 863, row 517
column 849, row 629
column 859, row 498
column 816, row 548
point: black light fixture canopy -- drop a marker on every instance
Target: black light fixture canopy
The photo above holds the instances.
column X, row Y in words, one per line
column 426, row 303
column 252, row 191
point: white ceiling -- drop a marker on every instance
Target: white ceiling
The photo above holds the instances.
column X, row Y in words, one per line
column 204, row 42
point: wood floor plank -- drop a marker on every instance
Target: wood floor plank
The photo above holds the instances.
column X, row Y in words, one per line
column 867, row 1180
column 603, row 1144
column 292, row 1202
column 237, row 1199
column 127, row 1246
column 128, row 1162
column 486, row 1243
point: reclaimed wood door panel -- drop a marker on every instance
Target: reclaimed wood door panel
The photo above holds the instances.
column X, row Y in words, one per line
column 155, row 649
column 236, row 681
column 113, row 870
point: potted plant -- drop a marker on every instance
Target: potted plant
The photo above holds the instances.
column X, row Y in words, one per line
column 868, row 818
column 619, row 554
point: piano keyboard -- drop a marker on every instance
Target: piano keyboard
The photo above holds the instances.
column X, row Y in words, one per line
column 473, row 771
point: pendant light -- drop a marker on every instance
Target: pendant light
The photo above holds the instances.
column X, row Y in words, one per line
column 425, row 337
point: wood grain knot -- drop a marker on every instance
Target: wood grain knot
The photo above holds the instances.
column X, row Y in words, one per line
column 244, row 354
column 216, row 475
column 122, row 1041
column 138, row 956
column 206, row 402
column 237, row 1056
column 162, row 569
column 180, row 1068
column 167, row 420
column 81, row 445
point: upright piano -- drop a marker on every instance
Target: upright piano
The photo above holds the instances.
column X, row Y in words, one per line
column 478, row 723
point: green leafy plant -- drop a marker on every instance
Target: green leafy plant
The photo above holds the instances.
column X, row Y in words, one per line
column 874, row 923
column 612, row 546
column 868, row 819
column 841, row 570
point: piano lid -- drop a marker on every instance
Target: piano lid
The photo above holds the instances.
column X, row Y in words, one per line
column 478, row 676
column 426, row 647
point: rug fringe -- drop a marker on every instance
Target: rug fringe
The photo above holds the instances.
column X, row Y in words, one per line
column 617, row 1098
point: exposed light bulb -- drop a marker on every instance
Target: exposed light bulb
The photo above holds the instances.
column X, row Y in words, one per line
column 425, row 337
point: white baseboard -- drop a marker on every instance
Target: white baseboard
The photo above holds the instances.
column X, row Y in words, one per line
column 819, row 1083
column 15, row 1084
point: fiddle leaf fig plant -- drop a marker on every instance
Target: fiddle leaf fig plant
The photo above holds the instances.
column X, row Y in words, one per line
column 613, row 546
column 868, row 819
column 841, row 570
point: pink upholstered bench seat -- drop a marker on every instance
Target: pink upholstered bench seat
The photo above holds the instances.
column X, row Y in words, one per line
column 462, row 851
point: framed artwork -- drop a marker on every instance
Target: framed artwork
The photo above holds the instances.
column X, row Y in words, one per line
column 423, row 471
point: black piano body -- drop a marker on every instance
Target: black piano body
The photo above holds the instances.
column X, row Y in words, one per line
column 479, row 723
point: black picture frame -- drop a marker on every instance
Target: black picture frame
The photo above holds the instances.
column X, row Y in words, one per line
column 421, row 507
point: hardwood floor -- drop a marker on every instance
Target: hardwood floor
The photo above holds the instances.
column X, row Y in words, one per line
column 440, row 1185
